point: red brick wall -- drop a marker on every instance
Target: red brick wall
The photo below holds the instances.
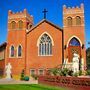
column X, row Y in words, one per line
column 43, row 62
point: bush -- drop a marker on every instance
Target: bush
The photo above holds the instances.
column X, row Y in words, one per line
column 54, row 71
column 70, row 73
column 34, row 76
column 80, row 72
column 64, row 72
column 88, row 72
column 26, row 78
column 76, row 74
column 22, row 75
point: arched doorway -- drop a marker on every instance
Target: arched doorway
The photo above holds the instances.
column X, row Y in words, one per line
column 73, row 47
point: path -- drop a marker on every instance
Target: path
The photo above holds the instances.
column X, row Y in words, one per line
column 12, row 81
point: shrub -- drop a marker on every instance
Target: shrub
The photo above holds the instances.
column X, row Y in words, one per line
column 34, row 76
column 76, row 74
column 54, row 71
column 80, row 72
column 64, row 72
column 26, row 78
column 88, row 72
column 70, row 73
column 22, row 75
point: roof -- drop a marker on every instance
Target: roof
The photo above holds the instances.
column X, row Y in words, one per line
column 3, row 44
column 44, row 20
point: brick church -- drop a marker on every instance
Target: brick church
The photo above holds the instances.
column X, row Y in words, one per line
column 40, row 47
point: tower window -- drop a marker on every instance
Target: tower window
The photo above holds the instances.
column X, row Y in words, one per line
column 12, row 51
column 13, row 24
column 69, row 21
column 20, row 24
column 45, row 45
column 19, row 51
column 78, row 20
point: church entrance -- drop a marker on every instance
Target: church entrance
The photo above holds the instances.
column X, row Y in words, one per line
column 74, row 47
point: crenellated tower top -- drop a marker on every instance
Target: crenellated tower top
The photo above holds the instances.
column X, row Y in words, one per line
column 73, row 10
column 22, row 16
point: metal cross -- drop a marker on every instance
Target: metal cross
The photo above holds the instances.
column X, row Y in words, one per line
column 44, row 11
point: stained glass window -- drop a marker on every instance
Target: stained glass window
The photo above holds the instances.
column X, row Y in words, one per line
column 19, row 51
column 12, row 51
column 45, row 45
column 74, row 42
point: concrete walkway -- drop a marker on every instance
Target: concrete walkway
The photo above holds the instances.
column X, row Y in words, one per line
column 12, row 81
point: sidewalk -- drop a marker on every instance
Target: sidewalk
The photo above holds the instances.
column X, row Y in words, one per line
column 12, row 81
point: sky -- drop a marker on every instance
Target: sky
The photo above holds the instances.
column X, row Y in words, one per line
column 35, row 8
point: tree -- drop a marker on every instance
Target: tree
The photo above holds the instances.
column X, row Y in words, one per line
column 88, row 57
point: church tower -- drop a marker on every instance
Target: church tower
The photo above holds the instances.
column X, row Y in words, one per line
column 18, row 25
column 74, row 34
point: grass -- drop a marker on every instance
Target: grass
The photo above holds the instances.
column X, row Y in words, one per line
column 29, row 87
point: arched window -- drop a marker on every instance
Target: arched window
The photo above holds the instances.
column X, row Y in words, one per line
column 12, row 51
column 45, row 45
column 69, row 21
column 20, row 24
column 74, row 42
column 19, row 51
column 78, row 20
column 13, row 24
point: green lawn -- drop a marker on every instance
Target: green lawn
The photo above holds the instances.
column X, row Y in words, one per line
column 29, row 87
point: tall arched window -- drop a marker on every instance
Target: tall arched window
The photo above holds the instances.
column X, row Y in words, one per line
column 69, row 21
column 78, row 20
column 74, row 42
column 12, row 51
column 20, row 24
column 13, row 24
column 45, row 45
column 19, row 51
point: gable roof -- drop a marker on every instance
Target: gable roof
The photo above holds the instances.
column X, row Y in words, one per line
column 44, row 20
column 3, row 44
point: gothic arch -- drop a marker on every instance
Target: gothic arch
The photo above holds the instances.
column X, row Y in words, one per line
column 42, row 35
column 45, row 44
column 76, row 38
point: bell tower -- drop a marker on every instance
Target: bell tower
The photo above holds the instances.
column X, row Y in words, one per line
column 18, row 25
column 74, row 33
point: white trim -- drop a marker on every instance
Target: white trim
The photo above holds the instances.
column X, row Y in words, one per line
column 21, row 51
column 38, row 41
column 42, row 35
column 76, row 38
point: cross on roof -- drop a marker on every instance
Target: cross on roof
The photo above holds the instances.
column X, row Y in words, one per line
column 44, row 11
